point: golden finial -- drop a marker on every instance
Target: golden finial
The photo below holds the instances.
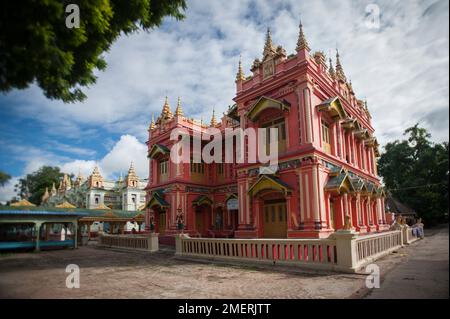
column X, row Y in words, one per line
column 152, row 123
column 179, row 110
column 331, row 70
column 302, row 44
column 213, row 118
column 166, row 112
column 240, row 74
column 339, row 70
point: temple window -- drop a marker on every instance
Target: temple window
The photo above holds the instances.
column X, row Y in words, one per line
column 197, row 168
column 326, row 140
column 163, row 170
column 281, row 126
column 197, row 171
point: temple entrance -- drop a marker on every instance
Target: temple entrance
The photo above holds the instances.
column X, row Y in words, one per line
column 203, row 219
column 275, row 219
column 162, row 222
column 219, row 219
column 199, row 225
column 234, row 219
column 332, row 214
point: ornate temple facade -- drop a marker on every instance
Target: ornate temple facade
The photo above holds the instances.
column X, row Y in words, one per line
column 326, row 178
column 97, row 193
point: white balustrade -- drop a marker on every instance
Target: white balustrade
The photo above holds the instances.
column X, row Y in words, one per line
column 371, row 247
column 320, row 252
column 344, row 251
column 135, row 242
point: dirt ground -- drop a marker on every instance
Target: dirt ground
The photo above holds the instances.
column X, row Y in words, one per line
column 106, row 273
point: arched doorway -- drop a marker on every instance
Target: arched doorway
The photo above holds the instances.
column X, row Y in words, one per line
column 232, row 207
column 203, row 211
column 158, row 209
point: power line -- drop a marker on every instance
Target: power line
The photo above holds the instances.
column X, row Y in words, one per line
column 414, row 187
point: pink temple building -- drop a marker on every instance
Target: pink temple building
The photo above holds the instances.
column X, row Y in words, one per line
column 326, row 178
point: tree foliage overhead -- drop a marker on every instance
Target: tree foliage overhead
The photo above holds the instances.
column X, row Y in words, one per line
column 32, row 187
column 415, row 171
column 4, row 178
column 36, row 46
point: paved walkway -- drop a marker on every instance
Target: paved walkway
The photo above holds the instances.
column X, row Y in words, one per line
column 424, row 272
column 418, row 271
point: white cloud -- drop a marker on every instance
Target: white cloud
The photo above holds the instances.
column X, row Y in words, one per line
column 126, row 149
column 402, row 69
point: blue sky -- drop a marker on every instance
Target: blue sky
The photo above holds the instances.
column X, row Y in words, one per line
column 401, row 68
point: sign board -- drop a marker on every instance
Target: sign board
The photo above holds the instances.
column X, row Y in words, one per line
column 232, row 204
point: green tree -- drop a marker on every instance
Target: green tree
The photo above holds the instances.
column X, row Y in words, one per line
column 4, row 178
column 37, row 46
column 416, row 172
column 32, row 187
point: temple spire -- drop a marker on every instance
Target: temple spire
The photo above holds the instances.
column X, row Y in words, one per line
column 350, row 87
column 268, row 46
column 131, row 169
column 339, row 70
column 302, row 43
column 240, row 76
column 79, row 179
column 366, row 109
column 166, row 112
column 45, row 197
column 179, row 109
column 68, row 182
column 213, row 118
column 331, row 70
